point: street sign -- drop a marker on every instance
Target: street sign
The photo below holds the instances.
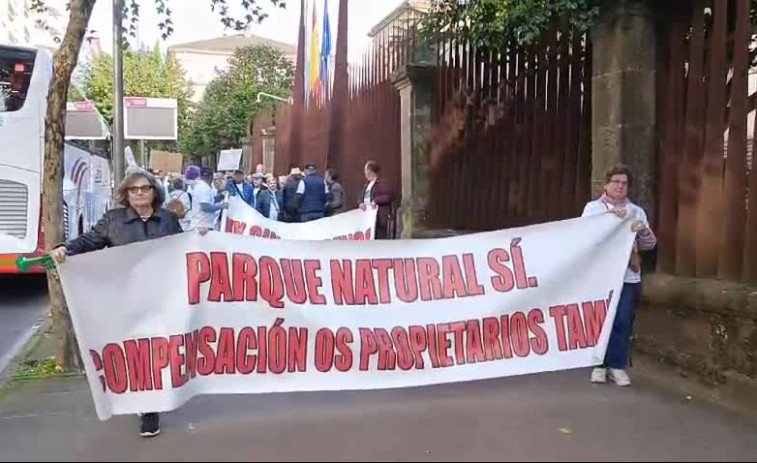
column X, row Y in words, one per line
column 84, row 122
column 150, row 118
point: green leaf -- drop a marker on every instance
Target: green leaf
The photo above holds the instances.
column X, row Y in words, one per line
column 493, row 23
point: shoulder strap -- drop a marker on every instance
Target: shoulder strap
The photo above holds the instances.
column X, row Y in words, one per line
column 274, row 200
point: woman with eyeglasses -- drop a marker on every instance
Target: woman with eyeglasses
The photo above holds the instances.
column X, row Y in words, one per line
column 615, row 200
column 141, row 218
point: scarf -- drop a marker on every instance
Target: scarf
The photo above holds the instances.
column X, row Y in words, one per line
column 613, row 202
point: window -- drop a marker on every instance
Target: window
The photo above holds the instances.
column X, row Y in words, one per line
column 16, row 66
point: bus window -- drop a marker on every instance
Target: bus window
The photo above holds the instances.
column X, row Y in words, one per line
column 16, row 67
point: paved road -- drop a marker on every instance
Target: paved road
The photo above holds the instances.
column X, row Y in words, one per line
column 555, row 416
column 23, row 302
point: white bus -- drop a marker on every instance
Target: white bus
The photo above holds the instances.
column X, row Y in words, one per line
column 25, row 74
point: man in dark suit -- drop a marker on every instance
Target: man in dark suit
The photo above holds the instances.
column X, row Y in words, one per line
column 378, row 193
column 291, row 197
column 238, row 187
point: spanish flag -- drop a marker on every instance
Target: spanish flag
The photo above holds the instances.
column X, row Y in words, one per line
column 314, row 57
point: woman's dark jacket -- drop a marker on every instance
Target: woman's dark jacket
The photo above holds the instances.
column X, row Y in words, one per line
column 123, row 226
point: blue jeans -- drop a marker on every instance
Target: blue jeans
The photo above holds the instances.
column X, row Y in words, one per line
column 619, row 347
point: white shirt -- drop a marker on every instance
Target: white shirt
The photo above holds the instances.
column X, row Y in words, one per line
column 273, row 213
column 301, row 187
column 368, row 189
column 201, row 193
column 182, row 196
column 255, row 192
column 600, row 207
column 165, row 184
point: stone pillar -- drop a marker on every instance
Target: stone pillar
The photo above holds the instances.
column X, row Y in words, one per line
column 268, row 137
column 624, row 94
column 416, row 86
column 247, row 153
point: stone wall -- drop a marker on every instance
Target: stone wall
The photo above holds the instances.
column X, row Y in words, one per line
column 706, row 329
column 624, row 95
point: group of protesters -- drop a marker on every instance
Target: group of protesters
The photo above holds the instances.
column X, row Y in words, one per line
column 152, row 209
column 304, row 195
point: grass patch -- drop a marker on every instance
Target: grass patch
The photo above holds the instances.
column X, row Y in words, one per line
column 5, row 389
column 39, row 360
column 35, row 368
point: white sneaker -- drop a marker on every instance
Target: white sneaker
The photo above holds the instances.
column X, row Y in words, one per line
column 620, row 377
column 599, row 376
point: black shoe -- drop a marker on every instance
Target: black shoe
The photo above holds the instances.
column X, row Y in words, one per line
column 150, row 425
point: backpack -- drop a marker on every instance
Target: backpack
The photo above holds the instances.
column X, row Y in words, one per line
column 176, row 206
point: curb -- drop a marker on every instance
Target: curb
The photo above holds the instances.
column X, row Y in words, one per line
column 25, row 343
column 737, row 397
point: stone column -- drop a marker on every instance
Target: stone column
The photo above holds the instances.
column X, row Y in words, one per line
column 268, row 160
column 247, row 153
column 624, row 94
column 416, row 86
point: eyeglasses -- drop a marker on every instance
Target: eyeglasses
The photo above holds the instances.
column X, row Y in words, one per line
column 136, row 189
column 619, row 182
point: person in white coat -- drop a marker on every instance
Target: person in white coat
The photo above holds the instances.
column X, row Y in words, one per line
column 618, row 182
column 204, row 207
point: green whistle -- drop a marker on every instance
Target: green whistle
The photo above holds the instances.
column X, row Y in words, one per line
column 24, row 263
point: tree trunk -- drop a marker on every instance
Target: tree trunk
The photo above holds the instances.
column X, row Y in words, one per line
column 64, row 63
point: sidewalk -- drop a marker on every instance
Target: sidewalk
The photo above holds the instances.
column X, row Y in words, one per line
column 556, row 416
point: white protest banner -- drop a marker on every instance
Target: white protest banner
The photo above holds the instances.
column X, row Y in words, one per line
column 357, row 225
column 229, row 160
column 162, row 321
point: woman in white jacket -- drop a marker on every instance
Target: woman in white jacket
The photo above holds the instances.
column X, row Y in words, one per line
column 618, row 181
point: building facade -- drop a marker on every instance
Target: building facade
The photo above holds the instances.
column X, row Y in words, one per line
column 203, row 60
column 21, row 25
column 15, row 22
column 405, row 15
